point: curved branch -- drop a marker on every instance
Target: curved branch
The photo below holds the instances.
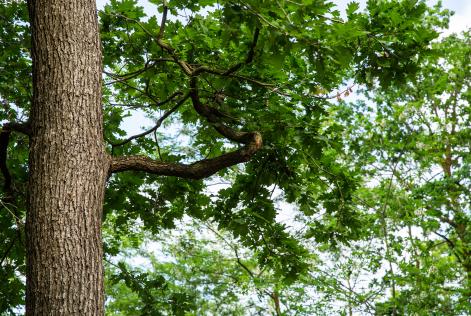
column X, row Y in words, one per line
column 204, row 168
column 23, row 128
column 4, row 140
column 213, row 117
column 198, row 170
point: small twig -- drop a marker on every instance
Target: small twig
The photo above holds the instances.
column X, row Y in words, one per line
column 18, row 220
column 349, row 89
column 157, row 144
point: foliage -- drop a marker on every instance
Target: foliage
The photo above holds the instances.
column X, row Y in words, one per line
column 262, row 66
column 197, row 275
column 415, row 145
column 409, row 259
column 285, row 59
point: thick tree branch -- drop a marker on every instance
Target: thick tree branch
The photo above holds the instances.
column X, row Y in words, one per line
column 198, row 170
column 23, row 128
column 203, row 168
column 206, row 167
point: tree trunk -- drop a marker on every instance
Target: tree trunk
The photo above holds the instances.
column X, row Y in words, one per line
column 67, row 161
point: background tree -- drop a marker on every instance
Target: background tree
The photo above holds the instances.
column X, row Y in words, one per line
column 205, row 273
column 230, row 72
column 414, row 143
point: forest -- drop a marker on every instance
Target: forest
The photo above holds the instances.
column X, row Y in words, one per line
column 234, row 157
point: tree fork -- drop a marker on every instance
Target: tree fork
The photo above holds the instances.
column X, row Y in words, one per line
column 67, row 161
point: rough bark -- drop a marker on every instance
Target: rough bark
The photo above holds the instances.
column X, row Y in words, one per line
column 68, row 164
column 198, row 170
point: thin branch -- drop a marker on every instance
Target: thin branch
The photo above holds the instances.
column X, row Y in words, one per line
column 338, row 95
column 148, row 95
column 130, row 75
column 18, row 220
column 187, row 69
column 234, row 248
column 170, row 98
column 240, row 263
column 449, row 221
column 157, row 103
column 450, row 244
column 262, row 18
column 157, row 125
column 250, row 55
column 157, row 145
column 164, row 21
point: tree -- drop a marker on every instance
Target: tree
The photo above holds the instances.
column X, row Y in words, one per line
column 207, row 274
column 413, row 140
column 246, row 72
